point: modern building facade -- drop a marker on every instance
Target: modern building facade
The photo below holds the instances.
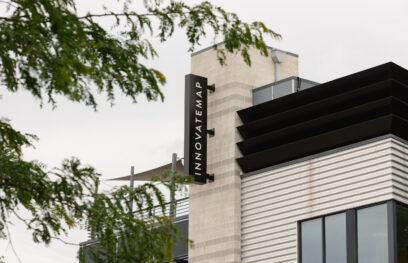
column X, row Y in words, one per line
column 324, row 172
column 301, row 172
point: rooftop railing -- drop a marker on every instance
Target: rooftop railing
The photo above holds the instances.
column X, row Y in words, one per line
column 181, row 209
column 181, row 214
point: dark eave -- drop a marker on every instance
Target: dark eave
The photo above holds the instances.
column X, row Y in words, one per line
column 357, row 107
column 366, row 77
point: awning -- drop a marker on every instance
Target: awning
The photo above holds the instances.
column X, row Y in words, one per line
column 148, row 175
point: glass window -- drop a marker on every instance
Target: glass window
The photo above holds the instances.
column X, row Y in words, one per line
column 402, row 234
column 372, row 234
column 336, row 238
column 312, row 241
column 282, row 89
column 261, row 95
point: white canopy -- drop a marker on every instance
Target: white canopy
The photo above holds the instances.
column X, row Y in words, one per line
column 148, row 175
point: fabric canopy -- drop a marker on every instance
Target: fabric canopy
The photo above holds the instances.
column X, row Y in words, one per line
column 148, row 175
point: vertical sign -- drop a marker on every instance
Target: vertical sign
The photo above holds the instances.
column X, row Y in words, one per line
column 195, row 128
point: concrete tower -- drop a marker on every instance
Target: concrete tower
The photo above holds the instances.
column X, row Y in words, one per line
column 214, row 220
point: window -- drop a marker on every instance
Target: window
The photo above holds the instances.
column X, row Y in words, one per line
column 358, row 235
column 363, row 235
column 326, row 234
column 282, row 89
column 372, row 234
column 261, row 95
column 312, row 232
column 336, row 238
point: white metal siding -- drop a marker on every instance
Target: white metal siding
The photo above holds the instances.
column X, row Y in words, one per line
column 273, row 201
column 399, row 172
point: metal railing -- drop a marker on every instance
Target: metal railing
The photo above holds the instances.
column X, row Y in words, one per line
column 181, row 213
column 181, row 210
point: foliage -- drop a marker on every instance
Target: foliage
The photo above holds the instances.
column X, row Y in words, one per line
column 49, row 49
column 52, row 198
column 144, row 236
column 67, row 197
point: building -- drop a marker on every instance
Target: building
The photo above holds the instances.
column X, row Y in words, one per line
column 299, row 171
column 315, row 176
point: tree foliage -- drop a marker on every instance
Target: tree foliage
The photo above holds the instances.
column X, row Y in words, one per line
column 146, row 235
column 53, row 198
column 68, row 197
column 50, row 50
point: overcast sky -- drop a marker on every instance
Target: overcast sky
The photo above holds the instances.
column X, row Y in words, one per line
column 332, row 37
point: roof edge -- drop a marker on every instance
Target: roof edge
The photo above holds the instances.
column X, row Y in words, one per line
column 220, row 43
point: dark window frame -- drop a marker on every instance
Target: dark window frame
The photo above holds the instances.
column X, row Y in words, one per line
column 351, row 231
column 394, row 229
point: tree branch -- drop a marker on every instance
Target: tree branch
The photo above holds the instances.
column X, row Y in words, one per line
column 65, row 242
column 124, row 14
column 8, row 3
column 11, row 243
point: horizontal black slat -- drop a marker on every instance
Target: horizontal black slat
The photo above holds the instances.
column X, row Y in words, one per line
column 326, row 141
column 400, row 127
column 357, row 107
column 320, row 108
column 325, row 90
column 324, row 124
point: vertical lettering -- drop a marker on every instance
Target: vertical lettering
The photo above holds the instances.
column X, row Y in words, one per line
column 197, row 166
column 196, row 117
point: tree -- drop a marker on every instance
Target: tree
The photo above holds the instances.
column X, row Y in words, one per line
column 49, row 49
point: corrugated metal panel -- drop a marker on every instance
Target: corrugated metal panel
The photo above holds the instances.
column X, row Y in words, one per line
column 273, row 201
column 399, row 172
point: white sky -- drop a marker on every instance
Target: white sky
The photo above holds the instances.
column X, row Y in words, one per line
column 332, row 37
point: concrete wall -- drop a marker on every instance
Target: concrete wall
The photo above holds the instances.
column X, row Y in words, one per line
column 215, row 208
column 273, row 201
